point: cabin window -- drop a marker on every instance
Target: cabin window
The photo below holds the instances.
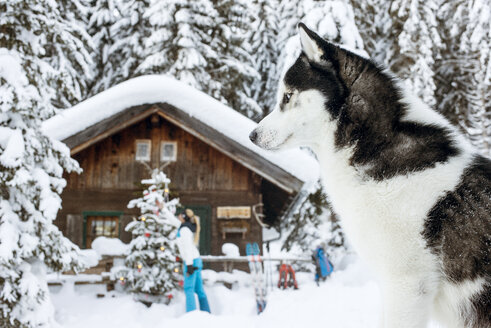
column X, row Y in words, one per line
column 99, row 224
column 143, row 149
column 168, row 151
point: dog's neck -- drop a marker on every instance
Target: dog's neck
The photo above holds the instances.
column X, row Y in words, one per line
column 335, row 163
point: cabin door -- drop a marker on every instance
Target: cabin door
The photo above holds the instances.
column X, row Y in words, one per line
column 204, row 213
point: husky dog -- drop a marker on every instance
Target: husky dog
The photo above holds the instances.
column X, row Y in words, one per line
column 413, row 197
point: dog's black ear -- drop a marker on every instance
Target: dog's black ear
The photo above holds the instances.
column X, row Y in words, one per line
column 314, row 47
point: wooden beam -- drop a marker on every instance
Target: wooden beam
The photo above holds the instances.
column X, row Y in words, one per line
column 108, row 127
column 231, row 148
column 193, row 126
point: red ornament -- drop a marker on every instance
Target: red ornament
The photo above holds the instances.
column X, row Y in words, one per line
column 181, row 283
column 170, row 296
column 147, row 234
column 178, row 259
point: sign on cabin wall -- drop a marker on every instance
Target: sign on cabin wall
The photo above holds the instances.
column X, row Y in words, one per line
column 233, row 212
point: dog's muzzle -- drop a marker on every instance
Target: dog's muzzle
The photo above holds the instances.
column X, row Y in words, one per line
column 253, row 136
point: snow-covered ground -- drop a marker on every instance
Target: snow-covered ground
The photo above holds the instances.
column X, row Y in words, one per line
column 350, row 298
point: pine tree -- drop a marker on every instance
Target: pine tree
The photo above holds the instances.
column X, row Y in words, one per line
column 403, row 36
column 103, row 15
column 180, row 43
column 265, row 52
column 31, row 164
column 234, row 67
column 123, row 24
column 375, row 26
column 463, row 74
column 418, row 40
column 70, row 53
column 150, row 270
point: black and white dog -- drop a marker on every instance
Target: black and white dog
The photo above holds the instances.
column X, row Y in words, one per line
column 413, row 197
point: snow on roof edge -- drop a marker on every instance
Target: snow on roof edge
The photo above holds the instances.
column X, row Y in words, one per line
column 149, row 89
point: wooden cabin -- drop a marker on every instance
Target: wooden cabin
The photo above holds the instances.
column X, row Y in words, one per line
column 116, row 135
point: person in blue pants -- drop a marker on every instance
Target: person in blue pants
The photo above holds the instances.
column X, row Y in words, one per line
column 323, row 266
column 187, row 239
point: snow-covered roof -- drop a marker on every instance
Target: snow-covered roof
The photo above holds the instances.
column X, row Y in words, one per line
column 150, row 89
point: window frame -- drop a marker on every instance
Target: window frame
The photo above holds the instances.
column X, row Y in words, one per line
column 86, row 215
column 143, row 141
column 162, row 145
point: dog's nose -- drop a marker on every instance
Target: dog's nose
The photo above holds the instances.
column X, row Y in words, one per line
column 253, row 135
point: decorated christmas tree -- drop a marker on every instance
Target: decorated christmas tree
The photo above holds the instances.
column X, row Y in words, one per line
column 151, row 271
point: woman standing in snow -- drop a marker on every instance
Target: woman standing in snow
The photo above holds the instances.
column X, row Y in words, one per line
column 187, row 242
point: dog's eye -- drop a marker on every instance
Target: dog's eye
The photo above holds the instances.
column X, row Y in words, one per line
column 286, row 97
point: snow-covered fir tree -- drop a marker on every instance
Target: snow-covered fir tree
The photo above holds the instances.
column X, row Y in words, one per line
column 180, row 43
column 31, row 164
column 417, row 43
column 402, row 35
column 264, row 42
column 289, row 13
column 463, row 69
column 151, row 270
column 375, row 26
column 70, row 53
column 234, row 68
column 128, row 29
column 103, row 15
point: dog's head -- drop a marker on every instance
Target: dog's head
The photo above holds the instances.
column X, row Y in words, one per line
column 310, row 96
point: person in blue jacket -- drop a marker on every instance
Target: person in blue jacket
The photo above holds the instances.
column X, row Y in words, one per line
column 323, row 266
column 187, row 240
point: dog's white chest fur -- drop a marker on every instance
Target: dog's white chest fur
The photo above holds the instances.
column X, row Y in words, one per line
column 384, row 219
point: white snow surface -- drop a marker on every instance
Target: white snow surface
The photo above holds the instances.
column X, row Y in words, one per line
column 12, row 154
column 109, row 246
column 348, row 299
column 90, row 257
column 150, row 89
column 230, row 249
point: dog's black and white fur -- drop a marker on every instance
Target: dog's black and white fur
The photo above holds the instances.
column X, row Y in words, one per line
column 413, row 197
